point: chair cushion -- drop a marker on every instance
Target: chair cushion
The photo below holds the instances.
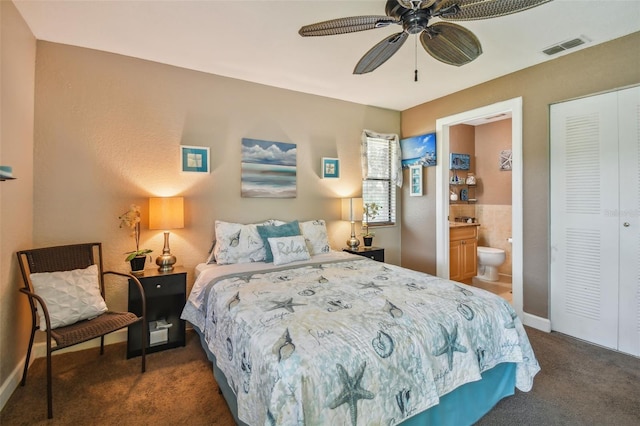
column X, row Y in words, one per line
column 70, row 296
column 87, row 330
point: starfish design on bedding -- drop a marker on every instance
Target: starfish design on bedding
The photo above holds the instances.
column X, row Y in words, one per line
column 450, row 344
column 371, row 285
column 351, row 391
column 286, row 304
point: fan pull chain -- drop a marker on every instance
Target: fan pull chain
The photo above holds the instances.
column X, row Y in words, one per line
column 415, row 72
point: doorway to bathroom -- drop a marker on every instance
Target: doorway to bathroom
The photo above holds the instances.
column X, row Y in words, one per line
column 512, row 108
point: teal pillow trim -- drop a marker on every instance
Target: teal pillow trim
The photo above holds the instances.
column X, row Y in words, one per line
column 268, row 231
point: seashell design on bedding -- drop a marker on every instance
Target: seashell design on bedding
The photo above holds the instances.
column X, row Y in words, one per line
column 393, row 310
column 383, row 344
column 233, row 302
column 284, row 346
column 466, row 311
column 402, row 399
column 234, row 240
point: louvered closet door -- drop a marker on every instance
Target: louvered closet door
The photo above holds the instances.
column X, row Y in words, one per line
column 584, row 220
column 629, row 223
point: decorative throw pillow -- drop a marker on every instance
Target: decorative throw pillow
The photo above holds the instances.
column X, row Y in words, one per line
column 237, row 243
column 288, row 249
column 70, row 296
column 315, row 234
column 287, row 230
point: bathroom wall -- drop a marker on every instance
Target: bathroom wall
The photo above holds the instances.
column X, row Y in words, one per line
column 493, row 191
column 493, row 210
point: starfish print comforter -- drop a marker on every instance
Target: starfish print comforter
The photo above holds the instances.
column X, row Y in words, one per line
column 347, row 340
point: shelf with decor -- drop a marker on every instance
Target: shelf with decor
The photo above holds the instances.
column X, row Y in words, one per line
column 464, row 193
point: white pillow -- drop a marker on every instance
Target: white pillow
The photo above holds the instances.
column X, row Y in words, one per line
column 315, row 234
column 288, row 249
column 70, row 296
column 238, row 243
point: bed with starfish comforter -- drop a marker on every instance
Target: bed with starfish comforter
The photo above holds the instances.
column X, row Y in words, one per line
column 341, row 339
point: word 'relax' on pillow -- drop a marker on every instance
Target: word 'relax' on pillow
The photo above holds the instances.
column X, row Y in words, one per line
column 287, row 230
column 70, row 296
column 315, row 234
column 288, row 249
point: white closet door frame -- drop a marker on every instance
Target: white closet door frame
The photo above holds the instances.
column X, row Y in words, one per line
column 583, row 227
column 629, row 220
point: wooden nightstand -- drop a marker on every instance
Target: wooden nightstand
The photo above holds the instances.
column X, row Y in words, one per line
column 166, row 296
column 375, row 253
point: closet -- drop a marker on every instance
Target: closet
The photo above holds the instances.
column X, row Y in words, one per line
column 595, row 219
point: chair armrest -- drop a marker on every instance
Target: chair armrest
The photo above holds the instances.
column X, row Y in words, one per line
column 138, row 284
column 42, row 303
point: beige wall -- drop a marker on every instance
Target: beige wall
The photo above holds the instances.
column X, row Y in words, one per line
column 17, row 71
column 494, row 185
column 108, row 130
column 599, row 68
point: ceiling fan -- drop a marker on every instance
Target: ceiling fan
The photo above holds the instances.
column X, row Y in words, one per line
column 447, row 42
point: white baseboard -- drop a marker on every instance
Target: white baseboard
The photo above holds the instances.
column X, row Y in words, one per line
column 40, row 351
column 542, row 324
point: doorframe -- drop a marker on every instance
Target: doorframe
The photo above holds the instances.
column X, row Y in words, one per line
column 442, row 190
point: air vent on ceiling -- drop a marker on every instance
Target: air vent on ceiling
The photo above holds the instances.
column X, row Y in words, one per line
column 565, row 45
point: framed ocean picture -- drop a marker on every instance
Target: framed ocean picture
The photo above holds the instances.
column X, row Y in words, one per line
column 268, row 169
column 419, row 150
column 459, row 161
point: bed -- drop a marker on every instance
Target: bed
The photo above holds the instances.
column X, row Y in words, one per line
column 335, row 338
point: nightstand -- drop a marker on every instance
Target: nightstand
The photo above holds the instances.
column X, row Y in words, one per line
column 166, row 296
column 375, row 253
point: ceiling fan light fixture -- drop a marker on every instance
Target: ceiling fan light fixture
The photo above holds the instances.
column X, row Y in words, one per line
column 448, row 43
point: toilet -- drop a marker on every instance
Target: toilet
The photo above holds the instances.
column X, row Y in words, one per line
column 489, row 259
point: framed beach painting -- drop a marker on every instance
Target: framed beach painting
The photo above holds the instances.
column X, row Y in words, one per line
column 415, row 174
column 330, row 168
column 459, row 161
column 268, row 169
column 419, row 150
column 195, row 159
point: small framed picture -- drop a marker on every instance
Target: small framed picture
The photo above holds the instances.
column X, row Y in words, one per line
column 330, row 168
column 459, row 161
column 195, row 159
column 415, row 176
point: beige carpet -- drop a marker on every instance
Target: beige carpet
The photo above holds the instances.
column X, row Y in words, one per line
column 178, row 388
column 580, row 384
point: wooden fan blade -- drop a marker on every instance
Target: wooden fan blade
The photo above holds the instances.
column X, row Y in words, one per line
column 379, row 53
column 468, row 10
column 346, row 25
column 451, row 43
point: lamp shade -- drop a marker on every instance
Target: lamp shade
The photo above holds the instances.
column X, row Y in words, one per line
column 166, row 213
column 352, row 209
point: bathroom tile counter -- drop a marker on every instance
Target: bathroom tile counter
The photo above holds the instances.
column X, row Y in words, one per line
column 462, row 224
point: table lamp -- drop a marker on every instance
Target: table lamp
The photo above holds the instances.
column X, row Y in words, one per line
column 352, row 211
column 166, row 213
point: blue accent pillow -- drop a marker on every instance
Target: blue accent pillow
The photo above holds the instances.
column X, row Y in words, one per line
column 267, row 231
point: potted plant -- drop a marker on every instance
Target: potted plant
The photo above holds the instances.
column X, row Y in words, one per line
column 370, row 211
column 131, row 219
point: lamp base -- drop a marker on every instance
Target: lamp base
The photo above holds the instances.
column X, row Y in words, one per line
column 353, row 243
column 165, row 262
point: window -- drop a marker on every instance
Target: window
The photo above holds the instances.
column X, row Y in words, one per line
column 381, row 172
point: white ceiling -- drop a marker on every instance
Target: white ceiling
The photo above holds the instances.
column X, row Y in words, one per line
column 258, row 41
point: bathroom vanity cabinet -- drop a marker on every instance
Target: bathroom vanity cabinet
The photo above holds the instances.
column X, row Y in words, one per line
column 463, row 251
